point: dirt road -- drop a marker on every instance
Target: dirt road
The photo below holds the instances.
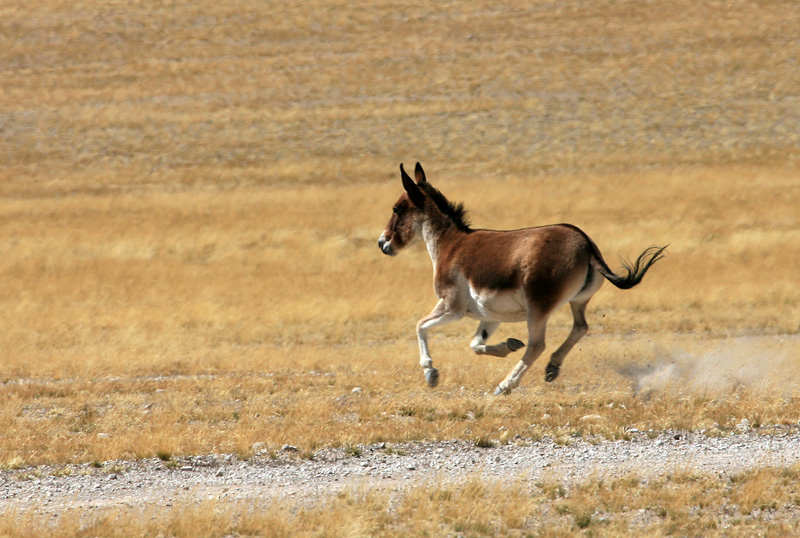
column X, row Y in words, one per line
column 286, row 474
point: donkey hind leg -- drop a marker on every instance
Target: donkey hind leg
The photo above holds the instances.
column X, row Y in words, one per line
column 440, row 315
column 485, row 330
column 536, row 333
column 579, row 328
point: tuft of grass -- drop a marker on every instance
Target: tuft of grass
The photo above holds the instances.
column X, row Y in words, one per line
column 484, row 442
column 14, row 462
column 583, row 520
column 395, row 451
column 116, row 469
column 63, row 471
column 354, row 451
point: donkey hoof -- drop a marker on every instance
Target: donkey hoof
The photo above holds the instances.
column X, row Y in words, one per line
column 498, row 391
column 551, row 372
column 514, row 344
column 432, row 376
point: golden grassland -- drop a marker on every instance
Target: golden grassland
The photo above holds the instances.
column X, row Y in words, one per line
column 191, row 194
column 195, row 322
column 753, row 503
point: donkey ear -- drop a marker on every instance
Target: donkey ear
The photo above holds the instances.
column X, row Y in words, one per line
column 414, row 193
column 419, row 174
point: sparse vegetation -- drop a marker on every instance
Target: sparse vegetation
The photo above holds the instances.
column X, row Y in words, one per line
column 762, row 500
column 484, row 442
column 190, row 195
column 354, row 451
column 394, row 451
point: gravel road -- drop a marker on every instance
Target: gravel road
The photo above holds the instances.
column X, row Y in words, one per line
column 272, row 476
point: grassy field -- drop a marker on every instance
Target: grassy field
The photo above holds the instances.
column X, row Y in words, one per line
column 191, row 194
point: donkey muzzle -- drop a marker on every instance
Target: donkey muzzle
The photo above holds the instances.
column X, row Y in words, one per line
column 385, row 246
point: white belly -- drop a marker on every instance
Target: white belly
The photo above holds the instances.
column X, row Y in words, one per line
column 493, row 305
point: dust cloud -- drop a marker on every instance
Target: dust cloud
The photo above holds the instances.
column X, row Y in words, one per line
column 753, row 362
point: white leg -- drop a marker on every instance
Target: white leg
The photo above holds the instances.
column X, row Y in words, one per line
column 485, row 330
column 440, row 315
column 536, row 333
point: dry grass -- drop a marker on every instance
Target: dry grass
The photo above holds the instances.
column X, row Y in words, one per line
column 190, row 198
column 679, row 504
column 120, row 95
column 298, row 399
column 192, row 191
column 194, row 321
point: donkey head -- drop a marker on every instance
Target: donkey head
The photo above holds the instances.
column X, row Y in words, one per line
column 407, row 215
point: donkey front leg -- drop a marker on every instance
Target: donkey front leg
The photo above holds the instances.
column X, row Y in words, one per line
column 440, row 315
column 535, row 348
column 485, row 330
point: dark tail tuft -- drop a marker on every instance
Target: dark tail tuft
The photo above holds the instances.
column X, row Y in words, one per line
column 635, row 270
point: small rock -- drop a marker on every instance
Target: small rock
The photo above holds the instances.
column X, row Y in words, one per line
column 186, row 468
column 289, row 448
column 743, row 426
column 356, row 390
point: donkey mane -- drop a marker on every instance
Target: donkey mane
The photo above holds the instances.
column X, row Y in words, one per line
column 452, row 210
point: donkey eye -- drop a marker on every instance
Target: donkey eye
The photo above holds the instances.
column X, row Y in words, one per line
column 396, row 210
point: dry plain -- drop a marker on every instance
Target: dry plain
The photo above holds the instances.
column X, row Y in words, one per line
column 191, row 194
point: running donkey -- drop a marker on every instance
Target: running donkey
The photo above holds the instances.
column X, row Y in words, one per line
column 501, row 276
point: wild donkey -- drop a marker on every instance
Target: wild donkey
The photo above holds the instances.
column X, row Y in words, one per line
column 501, row 276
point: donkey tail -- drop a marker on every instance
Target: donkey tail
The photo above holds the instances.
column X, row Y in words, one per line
column 635, row 270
